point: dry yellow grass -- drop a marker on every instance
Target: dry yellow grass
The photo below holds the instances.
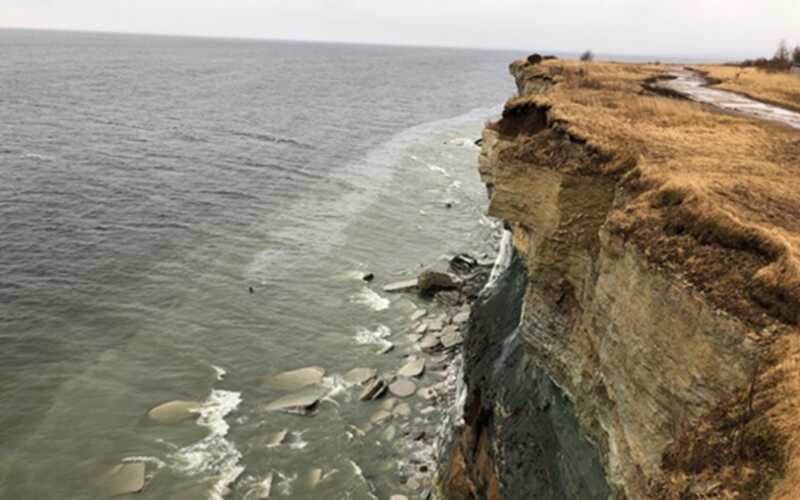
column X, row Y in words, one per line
column 781, row 89
column 710, row 196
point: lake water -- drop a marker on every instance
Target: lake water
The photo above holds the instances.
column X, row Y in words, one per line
column 147, row 182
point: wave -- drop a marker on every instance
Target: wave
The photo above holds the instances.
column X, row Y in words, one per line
column 372, row 299
column 213, row 455
column 366, row 336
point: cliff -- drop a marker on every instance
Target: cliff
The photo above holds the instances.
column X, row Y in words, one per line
column 643, row 342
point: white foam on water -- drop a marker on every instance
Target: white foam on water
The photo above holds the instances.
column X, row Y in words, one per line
column 220, row 372
column 437, row 168
column 285, row 483
column 372, row 299
column 376, row 336
column 213, row 456
column 463, row 142
column 354, row 275
column 297, row 441
column 336, row 386
column 147, row 460
column 257, row 488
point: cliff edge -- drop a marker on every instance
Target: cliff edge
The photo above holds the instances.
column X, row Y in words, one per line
column 643, row 341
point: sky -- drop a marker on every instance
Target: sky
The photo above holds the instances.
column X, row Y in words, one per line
column 698, row 28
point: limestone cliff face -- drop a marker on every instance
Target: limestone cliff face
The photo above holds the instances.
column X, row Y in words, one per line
column 586, row 361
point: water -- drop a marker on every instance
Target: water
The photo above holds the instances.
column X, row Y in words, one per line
column 147, row 182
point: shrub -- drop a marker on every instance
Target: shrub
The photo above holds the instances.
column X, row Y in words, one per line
column 587, row 56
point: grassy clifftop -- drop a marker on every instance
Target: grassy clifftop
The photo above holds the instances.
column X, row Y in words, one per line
column 712, row 200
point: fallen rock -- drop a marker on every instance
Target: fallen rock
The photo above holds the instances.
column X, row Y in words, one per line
column 368, row 277
column 390, row 433
column 461, row 318
column 374, row 390
column 413, row 368
column 414, row 338
column 277, row 438
column 313, row 478
column 434, row 325
column 452, row 340
column 426, row 393
column 401, row 286
column 402, row 410
column 403, row 388
column 379, row 416
column 429, row 343
column 174, row 411
column 387, row 347
column 419, row 314
column 463, row 263
column 389, row 404
column 299, row 402
column 296, row 379
column 360, row 375
column 421, row 329
column 124, row 479
column 430, row 282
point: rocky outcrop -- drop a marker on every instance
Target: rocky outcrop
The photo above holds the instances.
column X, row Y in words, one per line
column 587, row 364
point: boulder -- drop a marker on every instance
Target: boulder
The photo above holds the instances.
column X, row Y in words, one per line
column 313, row 478
column 124, row 479
column 452, row 340
column 296, row 379
column 534, row 59
column 401, row 286
column 461, row 318
column 413, row 368
column 463, row 263
column 298, row 402
column 430, row 282
column 277, row 438
column 360, row 375
column 429, row 343
column 374, row 390
column 421, row 329
column 174, row 411
column 403, row 388
column 419, row 314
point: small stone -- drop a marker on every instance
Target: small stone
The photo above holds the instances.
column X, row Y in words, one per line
column 313, row 478
column 435, row 325
column 360, row 375
column 379, row 416
column 461, row 318
column 368, row 277
column 403, row 388
column 401, row 286
column 389, row 404
column 419, row 314
column 418, row 435
column 426, row 393
column 387, row 347
column 452, row 340
column 414, row 338
column 429, row 343
column 402, row 410
column 299, row 402
column 421, row 329
column 374, row 390
column 277, row 438
column 413, row 484
column 390, row 433
column 398, row 497
column 414, row 368
column 296, row 379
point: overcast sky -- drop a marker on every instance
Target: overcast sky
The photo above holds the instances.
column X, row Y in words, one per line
column 727, row 28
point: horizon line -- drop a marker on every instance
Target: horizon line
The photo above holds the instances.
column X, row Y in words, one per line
column 244, row 38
